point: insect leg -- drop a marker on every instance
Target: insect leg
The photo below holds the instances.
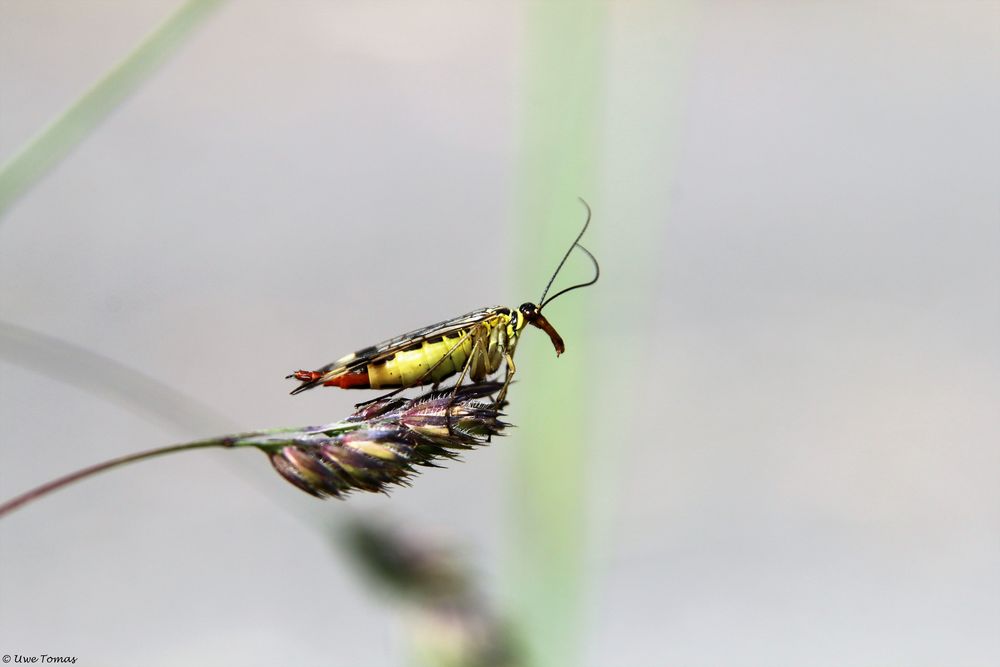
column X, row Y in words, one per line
column 511, row 369
column 477, row 343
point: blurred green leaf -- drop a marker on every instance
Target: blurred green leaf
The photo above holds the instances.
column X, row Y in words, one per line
column 53, row 143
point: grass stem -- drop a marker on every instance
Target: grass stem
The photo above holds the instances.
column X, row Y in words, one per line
column 42, row 153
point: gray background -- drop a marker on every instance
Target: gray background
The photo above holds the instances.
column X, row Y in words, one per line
column 799, row 468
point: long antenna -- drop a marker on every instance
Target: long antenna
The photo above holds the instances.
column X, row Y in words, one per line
column 597, row 274
column 575, row 244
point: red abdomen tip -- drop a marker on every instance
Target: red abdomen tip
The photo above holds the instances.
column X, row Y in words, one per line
column 354, row 380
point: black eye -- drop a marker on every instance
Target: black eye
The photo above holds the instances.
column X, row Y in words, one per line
column 528, row 309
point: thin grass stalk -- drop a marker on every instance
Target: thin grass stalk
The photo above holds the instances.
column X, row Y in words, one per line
column 103, row 376
column 379, row 446
column 43, row 152
column 90, row 471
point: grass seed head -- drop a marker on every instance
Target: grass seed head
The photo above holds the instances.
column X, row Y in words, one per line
column 381, row 444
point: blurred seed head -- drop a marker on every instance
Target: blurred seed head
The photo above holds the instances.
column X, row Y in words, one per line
column 451, row 624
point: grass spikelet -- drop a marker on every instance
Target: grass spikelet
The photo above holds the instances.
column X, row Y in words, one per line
column 382, row 444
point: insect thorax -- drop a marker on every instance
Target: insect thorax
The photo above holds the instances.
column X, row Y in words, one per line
column 514, row 324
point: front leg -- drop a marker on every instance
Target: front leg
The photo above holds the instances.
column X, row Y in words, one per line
column 511, row 369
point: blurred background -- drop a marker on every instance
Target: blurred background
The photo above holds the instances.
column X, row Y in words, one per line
column 772, row 438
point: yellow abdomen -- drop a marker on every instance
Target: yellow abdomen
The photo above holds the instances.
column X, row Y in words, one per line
column 410, row 367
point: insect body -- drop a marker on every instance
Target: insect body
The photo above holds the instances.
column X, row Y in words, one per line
column 475, row 345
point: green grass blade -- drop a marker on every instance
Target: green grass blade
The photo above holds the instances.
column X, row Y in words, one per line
column 563, row 87
column 53, row 143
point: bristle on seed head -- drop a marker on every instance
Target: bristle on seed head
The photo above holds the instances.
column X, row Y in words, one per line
column 382, row 443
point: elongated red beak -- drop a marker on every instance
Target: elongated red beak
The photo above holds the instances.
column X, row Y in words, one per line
column 539, row 321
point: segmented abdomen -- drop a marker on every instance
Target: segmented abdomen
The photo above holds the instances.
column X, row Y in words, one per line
column 409, row 366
